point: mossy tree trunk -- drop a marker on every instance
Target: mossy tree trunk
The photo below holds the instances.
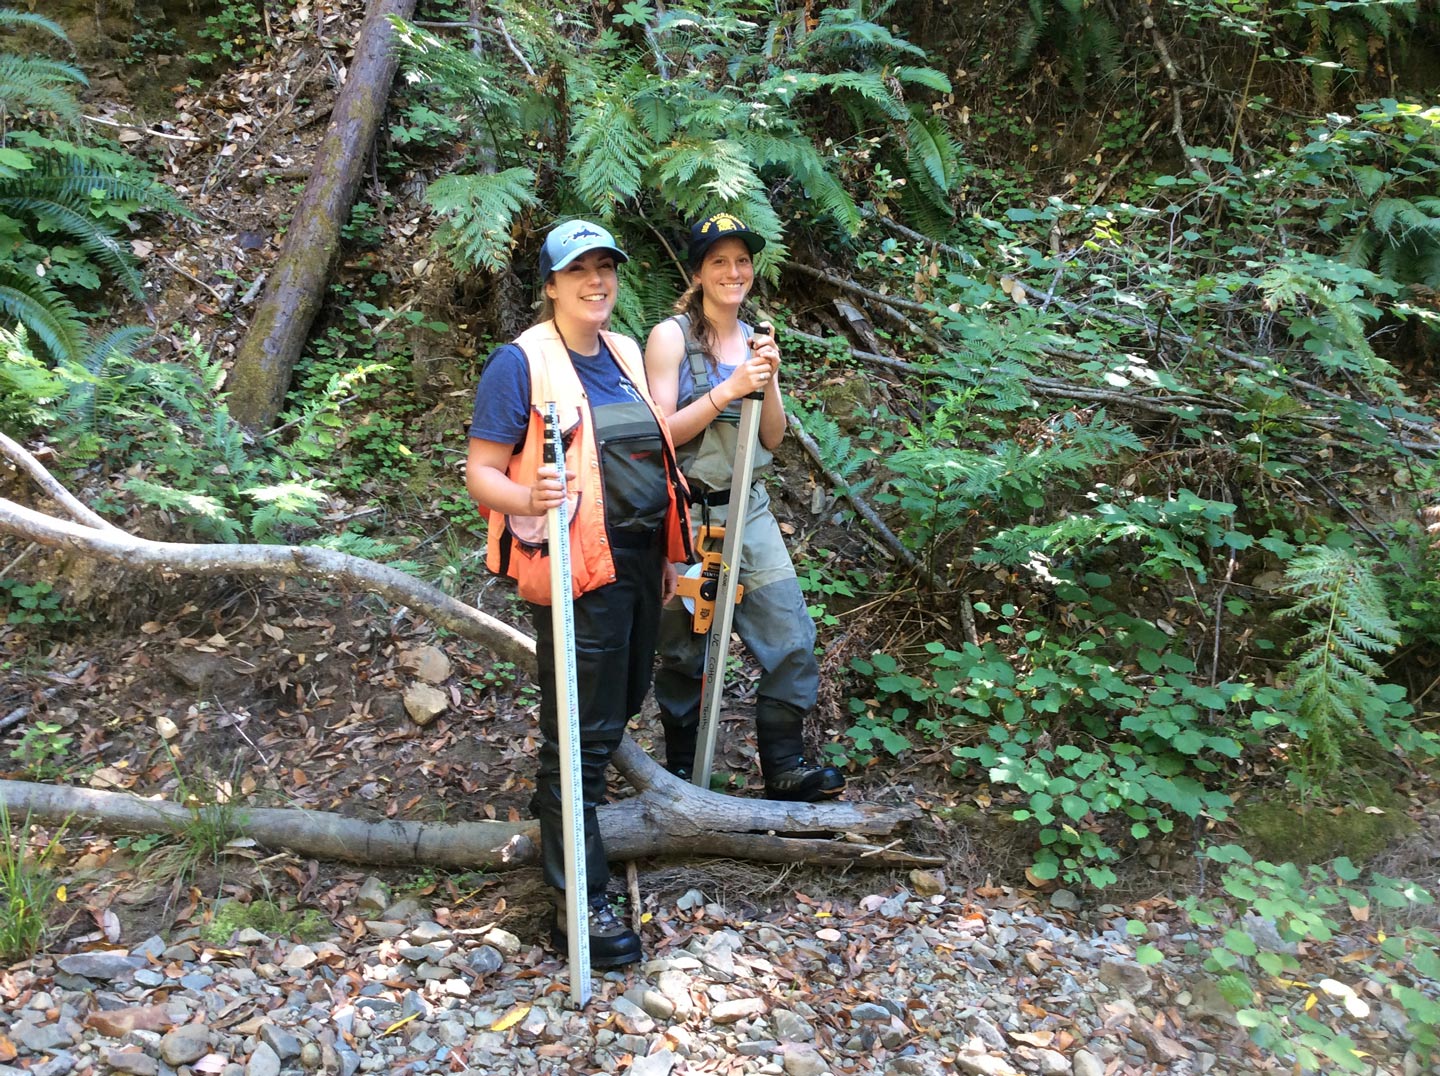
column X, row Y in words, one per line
column 282, row 321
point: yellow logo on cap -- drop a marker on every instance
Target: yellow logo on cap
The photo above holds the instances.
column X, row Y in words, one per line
column 725, row 223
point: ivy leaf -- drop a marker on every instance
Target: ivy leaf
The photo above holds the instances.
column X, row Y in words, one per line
column 1240, row 942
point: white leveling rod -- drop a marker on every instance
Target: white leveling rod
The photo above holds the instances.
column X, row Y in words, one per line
column 717, row 645
column 567, row 715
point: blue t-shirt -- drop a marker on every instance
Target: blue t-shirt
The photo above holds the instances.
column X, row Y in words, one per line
column 502, row 399
column 627, row 435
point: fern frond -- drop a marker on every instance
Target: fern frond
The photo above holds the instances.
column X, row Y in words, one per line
column 479, row 214
column 1334, row 673
column 1103, row 44
column 1378, row 16
column 847, row 26
column 931, row 148
column 675, row 166
column 9, row 17
column 39, row 86
column 88, row 172
column 799, row 157
column 123, row 341
column 647, row 296
column 655, row 109
column 1032, row 29
column 90, row 233
column 79, row 403
column 476, row 77
column 1361, row 246
column 607, row 153
column 923, row 76
column 837, row 451
column 44, row 311
column 357, row 545
column 205, row 513
column 868, row 86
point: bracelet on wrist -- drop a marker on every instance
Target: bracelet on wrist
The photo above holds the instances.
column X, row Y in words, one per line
column 709, row 396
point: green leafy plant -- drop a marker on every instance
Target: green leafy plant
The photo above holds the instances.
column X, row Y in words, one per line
column 688, row 113
column 27, row 891
column 822, row 578
column 216, row 818
column 139, row 845
column 1101, row 737
column 948, row 490
column 188, row 458
column 38, row 603
column 43, row 749
column 479, row 211
column 238, row 31
column 1170, row 536
column 1081, row 35
column 151, row 37
column 1311, row 907
column 64, row 202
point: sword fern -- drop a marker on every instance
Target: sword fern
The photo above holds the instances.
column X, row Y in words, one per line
column 1334, row 677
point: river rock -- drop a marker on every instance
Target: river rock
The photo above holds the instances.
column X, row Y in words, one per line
column 187, row 1043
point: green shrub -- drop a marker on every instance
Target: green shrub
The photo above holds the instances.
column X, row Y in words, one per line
column 27, row 892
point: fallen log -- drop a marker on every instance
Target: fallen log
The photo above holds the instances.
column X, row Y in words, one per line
column 267, row 355
column 669, row 817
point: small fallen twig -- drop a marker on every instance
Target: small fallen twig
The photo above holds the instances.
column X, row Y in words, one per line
column 859, row 289
column 67, row 679
column 139, row 127
column 223, row 300
column 861, row 506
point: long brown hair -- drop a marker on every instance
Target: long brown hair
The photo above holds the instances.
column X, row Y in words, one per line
column 692, row 305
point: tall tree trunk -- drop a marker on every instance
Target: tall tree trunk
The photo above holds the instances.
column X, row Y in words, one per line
column 282, row 321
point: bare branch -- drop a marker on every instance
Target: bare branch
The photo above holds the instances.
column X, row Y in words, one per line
column 17, row 454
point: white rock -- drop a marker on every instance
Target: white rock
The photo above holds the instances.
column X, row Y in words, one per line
column 424, row 703
column 802, row 1059
column 430, row 664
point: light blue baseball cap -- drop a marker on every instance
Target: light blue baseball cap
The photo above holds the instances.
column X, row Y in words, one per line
column 568, row 241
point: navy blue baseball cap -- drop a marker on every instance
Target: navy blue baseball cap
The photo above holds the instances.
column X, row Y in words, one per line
column 704, row 234
column 568, row 241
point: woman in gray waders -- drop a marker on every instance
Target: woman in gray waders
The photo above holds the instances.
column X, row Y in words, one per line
column 627, row 524
column 701, row 364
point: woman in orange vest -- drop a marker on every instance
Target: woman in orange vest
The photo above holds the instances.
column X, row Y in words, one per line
column 628, row 523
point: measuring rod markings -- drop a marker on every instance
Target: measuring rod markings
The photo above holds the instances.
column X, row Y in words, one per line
column 717, row 646
column 567, row 714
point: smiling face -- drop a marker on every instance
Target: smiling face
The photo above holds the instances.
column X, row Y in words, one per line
column 726, row 273
column 583, row 292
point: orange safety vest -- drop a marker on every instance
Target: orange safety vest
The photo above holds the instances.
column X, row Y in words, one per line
column 517, row 545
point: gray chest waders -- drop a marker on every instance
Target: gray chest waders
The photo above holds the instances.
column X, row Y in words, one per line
column 717, row 646
column 567, row 710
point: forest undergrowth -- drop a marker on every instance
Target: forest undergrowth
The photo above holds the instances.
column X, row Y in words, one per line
column 1123, row 331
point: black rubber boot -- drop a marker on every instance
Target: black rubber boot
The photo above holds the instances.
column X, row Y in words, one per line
column 680, row 741
column 780, row 735
column 612, row 943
